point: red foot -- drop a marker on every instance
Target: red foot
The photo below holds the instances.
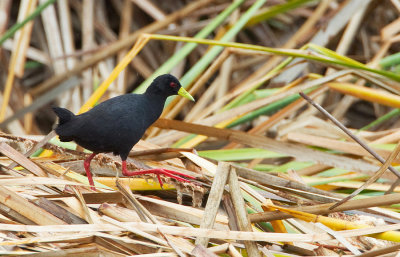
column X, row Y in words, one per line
column 86, row 164
column 169, row 173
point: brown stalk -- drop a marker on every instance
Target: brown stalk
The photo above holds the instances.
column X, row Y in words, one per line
column 21, row 159
column 300, row 152
column 214, row 200
column 241, row 212
column 202, row 251
column 325, row 208
column 27, row 209
column 372, row 179
column 116, row 47
column 348, row 132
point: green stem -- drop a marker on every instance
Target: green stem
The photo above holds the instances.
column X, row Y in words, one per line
column 275, row 10
column 17, row 26
column 267, row 110
column 385, row 117
column 283, row 52
column 188, row 48
column 202, row 64
column 390, row 61
column 268, row 76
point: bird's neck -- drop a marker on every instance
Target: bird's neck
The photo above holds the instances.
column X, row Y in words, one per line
column 157, row 100
column 156, row 95
column 156, row 104
column 153, row 90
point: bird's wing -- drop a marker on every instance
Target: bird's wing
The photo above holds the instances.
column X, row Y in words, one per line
column 111, row 124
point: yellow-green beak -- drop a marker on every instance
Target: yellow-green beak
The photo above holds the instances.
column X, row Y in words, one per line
column 184, row 93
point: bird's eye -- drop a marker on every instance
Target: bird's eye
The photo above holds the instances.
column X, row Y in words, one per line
column 173, row 84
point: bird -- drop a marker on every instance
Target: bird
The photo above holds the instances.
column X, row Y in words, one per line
column 118, row 123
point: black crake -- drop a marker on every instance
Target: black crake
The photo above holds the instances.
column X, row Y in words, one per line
column 117, row 124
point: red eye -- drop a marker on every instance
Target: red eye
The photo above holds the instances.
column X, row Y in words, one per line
column 173, row 84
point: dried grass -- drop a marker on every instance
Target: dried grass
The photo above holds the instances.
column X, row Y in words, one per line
column 247, row 97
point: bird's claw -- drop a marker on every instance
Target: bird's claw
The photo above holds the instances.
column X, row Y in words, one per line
column 169, row 173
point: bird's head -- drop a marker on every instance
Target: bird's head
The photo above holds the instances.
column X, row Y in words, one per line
column 168, row 85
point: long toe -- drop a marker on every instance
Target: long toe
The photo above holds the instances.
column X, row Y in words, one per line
column 178, row 173
column 169, row 173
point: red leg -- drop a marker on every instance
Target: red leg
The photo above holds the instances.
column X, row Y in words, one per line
column 169, row 173
column 86, row 164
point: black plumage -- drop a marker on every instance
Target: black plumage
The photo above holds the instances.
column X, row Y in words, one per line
column 117, row 124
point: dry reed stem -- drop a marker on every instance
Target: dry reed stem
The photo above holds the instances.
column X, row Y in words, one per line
column 213, row 202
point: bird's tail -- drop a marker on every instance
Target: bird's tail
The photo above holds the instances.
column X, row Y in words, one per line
column 63, row 114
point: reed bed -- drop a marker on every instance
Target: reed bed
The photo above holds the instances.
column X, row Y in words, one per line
column 293, row 138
